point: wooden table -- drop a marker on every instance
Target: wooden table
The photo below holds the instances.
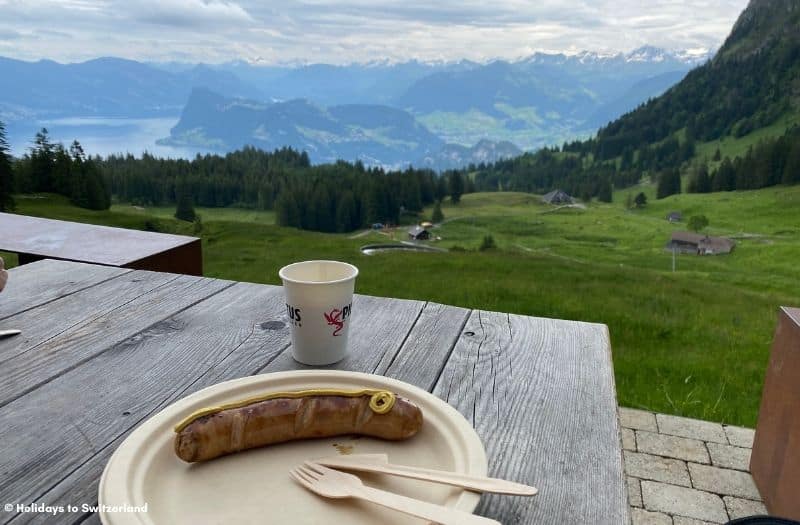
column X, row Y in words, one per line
column 105, row 348
column 34, row 239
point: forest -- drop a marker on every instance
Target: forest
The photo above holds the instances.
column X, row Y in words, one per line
column 345, row 196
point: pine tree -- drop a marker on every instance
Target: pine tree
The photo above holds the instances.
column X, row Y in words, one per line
column 98, row 197
column 437, row 216
column 346, row 216
column 287, row 211
column 6, row 173
column 456, row 186
column 725, row 177
column 669, row 183
column 791, row 171
column 605, row 192
column 440, row 191
column 487, row 243
column 42, row 158
column 184, row 210
column 703, row 182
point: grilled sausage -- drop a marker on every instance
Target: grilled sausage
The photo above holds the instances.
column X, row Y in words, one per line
column 282, row 419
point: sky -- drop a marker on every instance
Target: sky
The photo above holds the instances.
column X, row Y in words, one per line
column 323, row 31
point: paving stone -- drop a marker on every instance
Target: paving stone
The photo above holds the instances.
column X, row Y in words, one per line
column 644, row 517
column 647, row 466
column 634, row 492
column 637, row 419
column 742, row 508
column 741, row 437
column 723, row 481
column 691, row 428
column 671, row 446
column 628, row 439
column 729, row 456
column 683, row 502
column 682, row 520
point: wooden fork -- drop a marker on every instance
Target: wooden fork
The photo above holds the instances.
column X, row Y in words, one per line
column 334, row 484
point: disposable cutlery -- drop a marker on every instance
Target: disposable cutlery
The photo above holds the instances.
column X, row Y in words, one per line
column 334, row 484
column 379, row 463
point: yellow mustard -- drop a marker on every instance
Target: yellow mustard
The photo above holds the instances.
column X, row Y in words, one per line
column 381, row 401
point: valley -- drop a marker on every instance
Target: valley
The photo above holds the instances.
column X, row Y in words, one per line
column 694, row 342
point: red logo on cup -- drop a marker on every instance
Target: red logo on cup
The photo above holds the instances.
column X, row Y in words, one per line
column 334, row 319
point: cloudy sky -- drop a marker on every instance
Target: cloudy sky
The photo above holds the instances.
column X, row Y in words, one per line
column 292, row 31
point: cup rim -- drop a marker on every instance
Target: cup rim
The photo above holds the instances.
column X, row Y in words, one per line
column 282, row 272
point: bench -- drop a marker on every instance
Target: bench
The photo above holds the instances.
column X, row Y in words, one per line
column 34, row 238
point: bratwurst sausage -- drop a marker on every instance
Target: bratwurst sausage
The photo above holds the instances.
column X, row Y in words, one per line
column 288, row 416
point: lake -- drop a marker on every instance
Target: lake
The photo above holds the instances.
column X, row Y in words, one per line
column 102, row 136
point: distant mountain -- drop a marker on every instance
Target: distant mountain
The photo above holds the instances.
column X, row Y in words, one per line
column 331, row 85
column 453, row 156
column 108, row 87
column 750, row 90
column 643, row 90
column 750, row 84
column 543, row 99
column 376, row 135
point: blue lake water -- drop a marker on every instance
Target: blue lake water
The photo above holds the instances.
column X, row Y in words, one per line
column 102, row 136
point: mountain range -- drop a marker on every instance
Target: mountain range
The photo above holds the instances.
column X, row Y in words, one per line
column 539, row 100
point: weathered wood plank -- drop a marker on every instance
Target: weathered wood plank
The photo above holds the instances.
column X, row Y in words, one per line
column 38, row 283
column 378, row 330
column 427, row 346
column 253, row 354
column 86, row 340
column 540, row 394
column 47, row 321
column 82, row 416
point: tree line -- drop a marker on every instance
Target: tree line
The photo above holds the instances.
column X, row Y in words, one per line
column 52, row 168
column 344, row 196
column 338, row 197
column 768, row 163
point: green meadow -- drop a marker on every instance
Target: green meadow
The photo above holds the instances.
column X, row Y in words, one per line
column 693, row 342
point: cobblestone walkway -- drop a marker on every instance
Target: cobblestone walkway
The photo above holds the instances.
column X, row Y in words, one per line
column 685, row 471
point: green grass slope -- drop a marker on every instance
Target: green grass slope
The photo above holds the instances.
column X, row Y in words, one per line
column 694, row 342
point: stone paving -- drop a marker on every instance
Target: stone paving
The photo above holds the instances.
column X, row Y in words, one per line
column 684, row 471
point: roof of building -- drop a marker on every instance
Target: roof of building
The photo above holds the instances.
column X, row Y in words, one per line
column 716, row 244
column 693, row 238
column 556, row 194
column 416, row 230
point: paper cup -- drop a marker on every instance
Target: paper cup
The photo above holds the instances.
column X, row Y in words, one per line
column 319, row 304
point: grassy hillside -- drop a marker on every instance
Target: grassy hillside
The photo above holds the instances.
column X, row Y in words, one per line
column 694, row 342
column 732, row 147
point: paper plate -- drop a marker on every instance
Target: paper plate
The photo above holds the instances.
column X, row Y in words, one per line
column 254, row 486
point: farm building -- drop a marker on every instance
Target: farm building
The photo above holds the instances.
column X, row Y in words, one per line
column 418, row 233
column 674, row 216
column 557, row 197
column 699, row 244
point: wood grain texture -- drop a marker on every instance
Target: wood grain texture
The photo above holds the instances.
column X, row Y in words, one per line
column 378, row 330
column 540, row 394
column 82, row 242
column 38, row 283
column 89, row 410
column 47, row 321
column 82, row 342
column 427, row 347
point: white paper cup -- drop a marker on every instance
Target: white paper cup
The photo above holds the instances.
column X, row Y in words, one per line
column 319, row 304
